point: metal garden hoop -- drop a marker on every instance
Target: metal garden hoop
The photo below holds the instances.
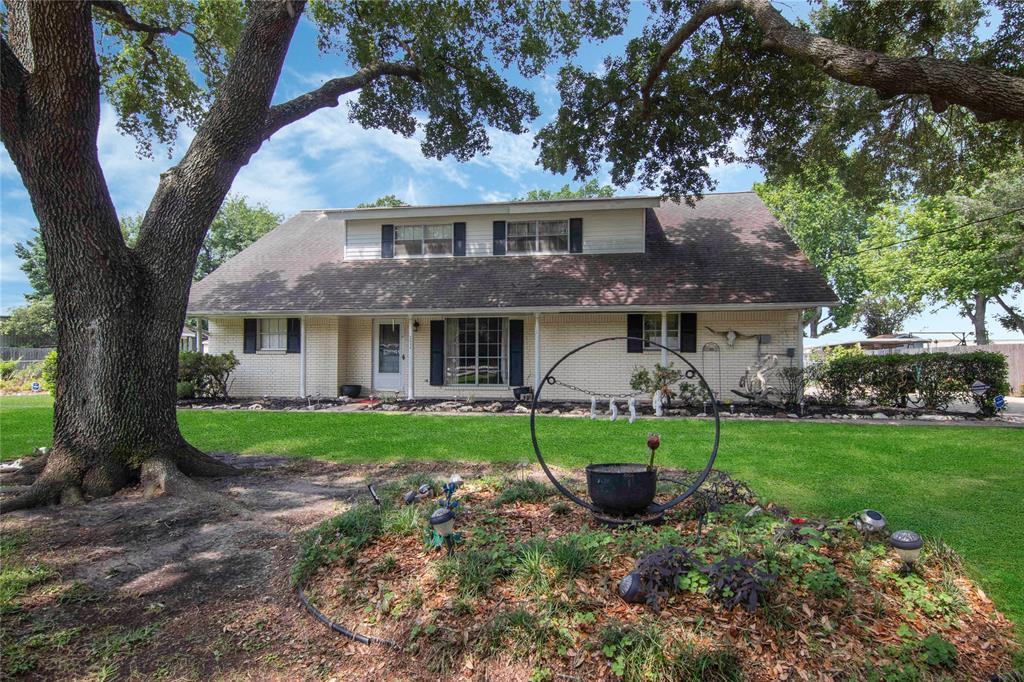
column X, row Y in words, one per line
column 549, row 379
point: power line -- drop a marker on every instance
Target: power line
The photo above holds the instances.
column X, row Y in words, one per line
column 931, row 234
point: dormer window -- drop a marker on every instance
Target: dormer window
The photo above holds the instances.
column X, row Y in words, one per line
column 415, row 241
column 538, row 236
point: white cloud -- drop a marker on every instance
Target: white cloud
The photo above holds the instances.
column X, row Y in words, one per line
column 512, row 155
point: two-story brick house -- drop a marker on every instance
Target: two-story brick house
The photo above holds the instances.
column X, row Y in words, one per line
column 475, row 299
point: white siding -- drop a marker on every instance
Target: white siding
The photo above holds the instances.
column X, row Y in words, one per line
column 610, row 231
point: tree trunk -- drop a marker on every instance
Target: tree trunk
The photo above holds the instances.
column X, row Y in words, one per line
column 980, row 331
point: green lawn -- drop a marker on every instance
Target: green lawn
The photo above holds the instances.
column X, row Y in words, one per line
column 960, row 484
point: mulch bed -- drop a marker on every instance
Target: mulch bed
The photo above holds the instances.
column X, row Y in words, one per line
column 395, row 588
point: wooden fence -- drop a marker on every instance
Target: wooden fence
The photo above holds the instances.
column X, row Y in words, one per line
column 25, row 356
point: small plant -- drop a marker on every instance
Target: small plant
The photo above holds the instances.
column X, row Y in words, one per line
column 571, row 557
column 7, row 368
column 49, row 372
column 527, row 490
column 475, row 570
column 662, row 378
column 824, row 583
column 560, row 508
column 338, row 538
column 659, row 572
column 185, row 390
column 736, row 581
column 517, row 632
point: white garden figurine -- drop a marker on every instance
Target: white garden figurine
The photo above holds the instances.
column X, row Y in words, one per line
column 659, row 406
column 632, row 410
column 614, row 409
column 593, row 407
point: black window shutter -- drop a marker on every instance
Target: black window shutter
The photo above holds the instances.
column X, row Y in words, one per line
column 576, row 235
column 460, row 239
column 437, row 352
column 688, row 332
column 387, row 241
column 635, row 329
column 294, row 335
column 249, row 335
column 515, row 352
column 499, row 238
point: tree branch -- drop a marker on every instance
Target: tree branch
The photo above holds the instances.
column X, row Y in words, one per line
column 328, row 94
column 1018, row 320
column 119, row 13
column 13, row 77
column 989, row 94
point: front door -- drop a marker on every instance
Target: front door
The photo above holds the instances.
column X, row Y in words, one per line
column 388, row 355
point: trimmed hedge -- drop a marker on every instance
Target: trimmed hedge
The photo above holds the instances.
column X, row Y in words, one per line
column 934, row 379
column 208, row 374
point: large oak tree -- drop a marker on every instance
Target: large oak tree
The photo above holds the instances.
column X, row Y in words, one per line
column 432, row 67
column 896, row 96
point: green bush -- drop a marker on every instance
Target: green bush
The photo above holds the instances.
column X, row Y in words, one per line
column 208, row 374
column 7, row 368
column 185, row 390
column 936, row 378
column 49, row 374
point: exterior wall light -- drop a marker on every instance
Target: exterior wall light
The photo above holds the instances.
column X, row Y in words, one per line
column 443, row 523
column 907, row 544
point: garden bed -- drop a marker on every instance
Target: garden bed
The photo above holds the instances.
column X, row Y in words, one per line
column 531, row 593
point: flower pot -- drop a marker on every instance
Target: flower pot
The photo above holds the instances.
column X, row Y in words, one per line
column 622, row 488
column 351, row 390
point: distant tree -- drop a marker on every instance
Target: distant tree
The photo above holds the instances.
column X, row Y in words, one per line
column 386, row 201
column 33, row 264
column 236, row 226
column 879, row 315
column 828, row 224
column 588, row 190
column 33, row 324
column 964, row 251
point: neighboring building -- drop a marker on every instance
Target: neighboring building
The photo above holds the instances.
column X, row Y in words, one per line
column 191, row 340
column 475, row 299
column 883, row 344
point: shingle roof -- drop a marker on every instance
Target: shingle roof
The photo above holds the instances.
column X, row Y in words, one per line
column 726, row 250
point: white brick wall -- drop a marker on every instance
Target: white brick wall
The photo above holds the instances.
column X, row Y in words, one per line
column 339, row 350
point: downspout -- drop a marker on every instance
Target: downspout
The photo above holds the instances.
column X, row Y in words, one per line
column 664, row 338
column 536, row 353
column 302, row 357
column 410, row 393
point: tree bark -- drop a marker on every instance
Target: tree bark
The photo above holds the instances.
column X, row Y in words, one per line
column 980, row 330
column 120, row 311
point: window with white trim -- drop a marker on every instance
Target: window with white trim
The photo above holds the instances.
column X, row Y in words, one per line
column 475, row 352
column 417, row 241
column 537, row 236
column 272, row 333
column 652, row 331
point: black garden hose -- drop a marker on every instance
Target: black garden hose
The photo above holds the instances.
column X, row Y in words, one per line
column 340, row 629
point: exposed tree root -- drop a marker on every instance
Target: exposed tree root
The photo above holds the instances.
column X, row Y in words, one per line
column 162, row 474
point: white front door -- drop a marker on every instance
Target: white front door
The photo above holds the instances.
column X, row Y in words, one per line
column 388, row 355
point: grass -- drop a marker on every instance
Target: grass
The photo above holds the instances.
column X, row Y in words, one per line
column 958, row 485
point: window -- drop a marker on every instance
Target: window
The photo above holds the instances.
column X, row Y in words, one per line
column 538, row 236
column 272, row 333
column 652, row 331
column 414, row 241
column 475, row 353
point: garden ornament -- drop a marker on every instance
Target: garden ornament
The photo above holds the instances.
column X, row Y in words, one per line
column 869, row 521
column 632, row 410
column 631, row 589
column 593, row 407
column 443, row 522
column 659, row 405
column 614, row 409
column 624, row 493
column 410, row 497
column 755, row 380
column 908, row 545
column 731, row 335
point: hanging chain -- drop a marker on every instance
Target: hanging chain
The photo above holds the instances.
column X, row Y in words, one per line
column 571, row 387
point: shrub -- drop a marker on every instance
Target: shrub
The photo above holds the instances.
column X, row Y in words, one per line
column 49, row 373
column 185, row 390
column 207, row 373
column 937, row 378
column 662, row 377
column 527, row 490
column 7, row 368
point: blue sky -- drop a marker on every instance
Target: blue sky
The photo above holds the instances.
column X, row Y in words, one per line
column 326, row 161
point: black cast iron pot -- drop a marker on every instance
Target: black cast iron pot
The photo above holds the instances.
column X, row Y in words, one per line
column 622, row 488
column 351, row 390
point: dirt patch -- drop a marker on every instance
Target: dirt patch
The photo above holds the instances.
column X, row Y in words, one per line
column 146, row 589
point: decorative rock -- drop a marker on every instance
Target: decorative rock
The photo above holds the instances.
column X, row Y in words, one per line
column 792, row 415
column 879, row 415
column 255, row 406
column 387, row 407
column 556, row 413
column 466, row 408
column 522, row 409
column 493, row 407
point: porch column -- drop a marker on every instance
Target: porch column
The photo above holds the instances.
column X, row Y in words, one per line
column 199, row 335
column 536, row 353
column 302, row 356
column 410, row 393
column 664, row 338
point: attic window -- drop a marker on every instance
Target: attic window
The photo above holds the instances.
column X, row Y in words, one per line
column 418, row 241
column 538, row 236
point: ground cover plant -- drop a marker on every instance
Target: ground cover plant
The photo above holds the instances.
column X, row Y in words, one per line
column 531, row 593
column 930, row 478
